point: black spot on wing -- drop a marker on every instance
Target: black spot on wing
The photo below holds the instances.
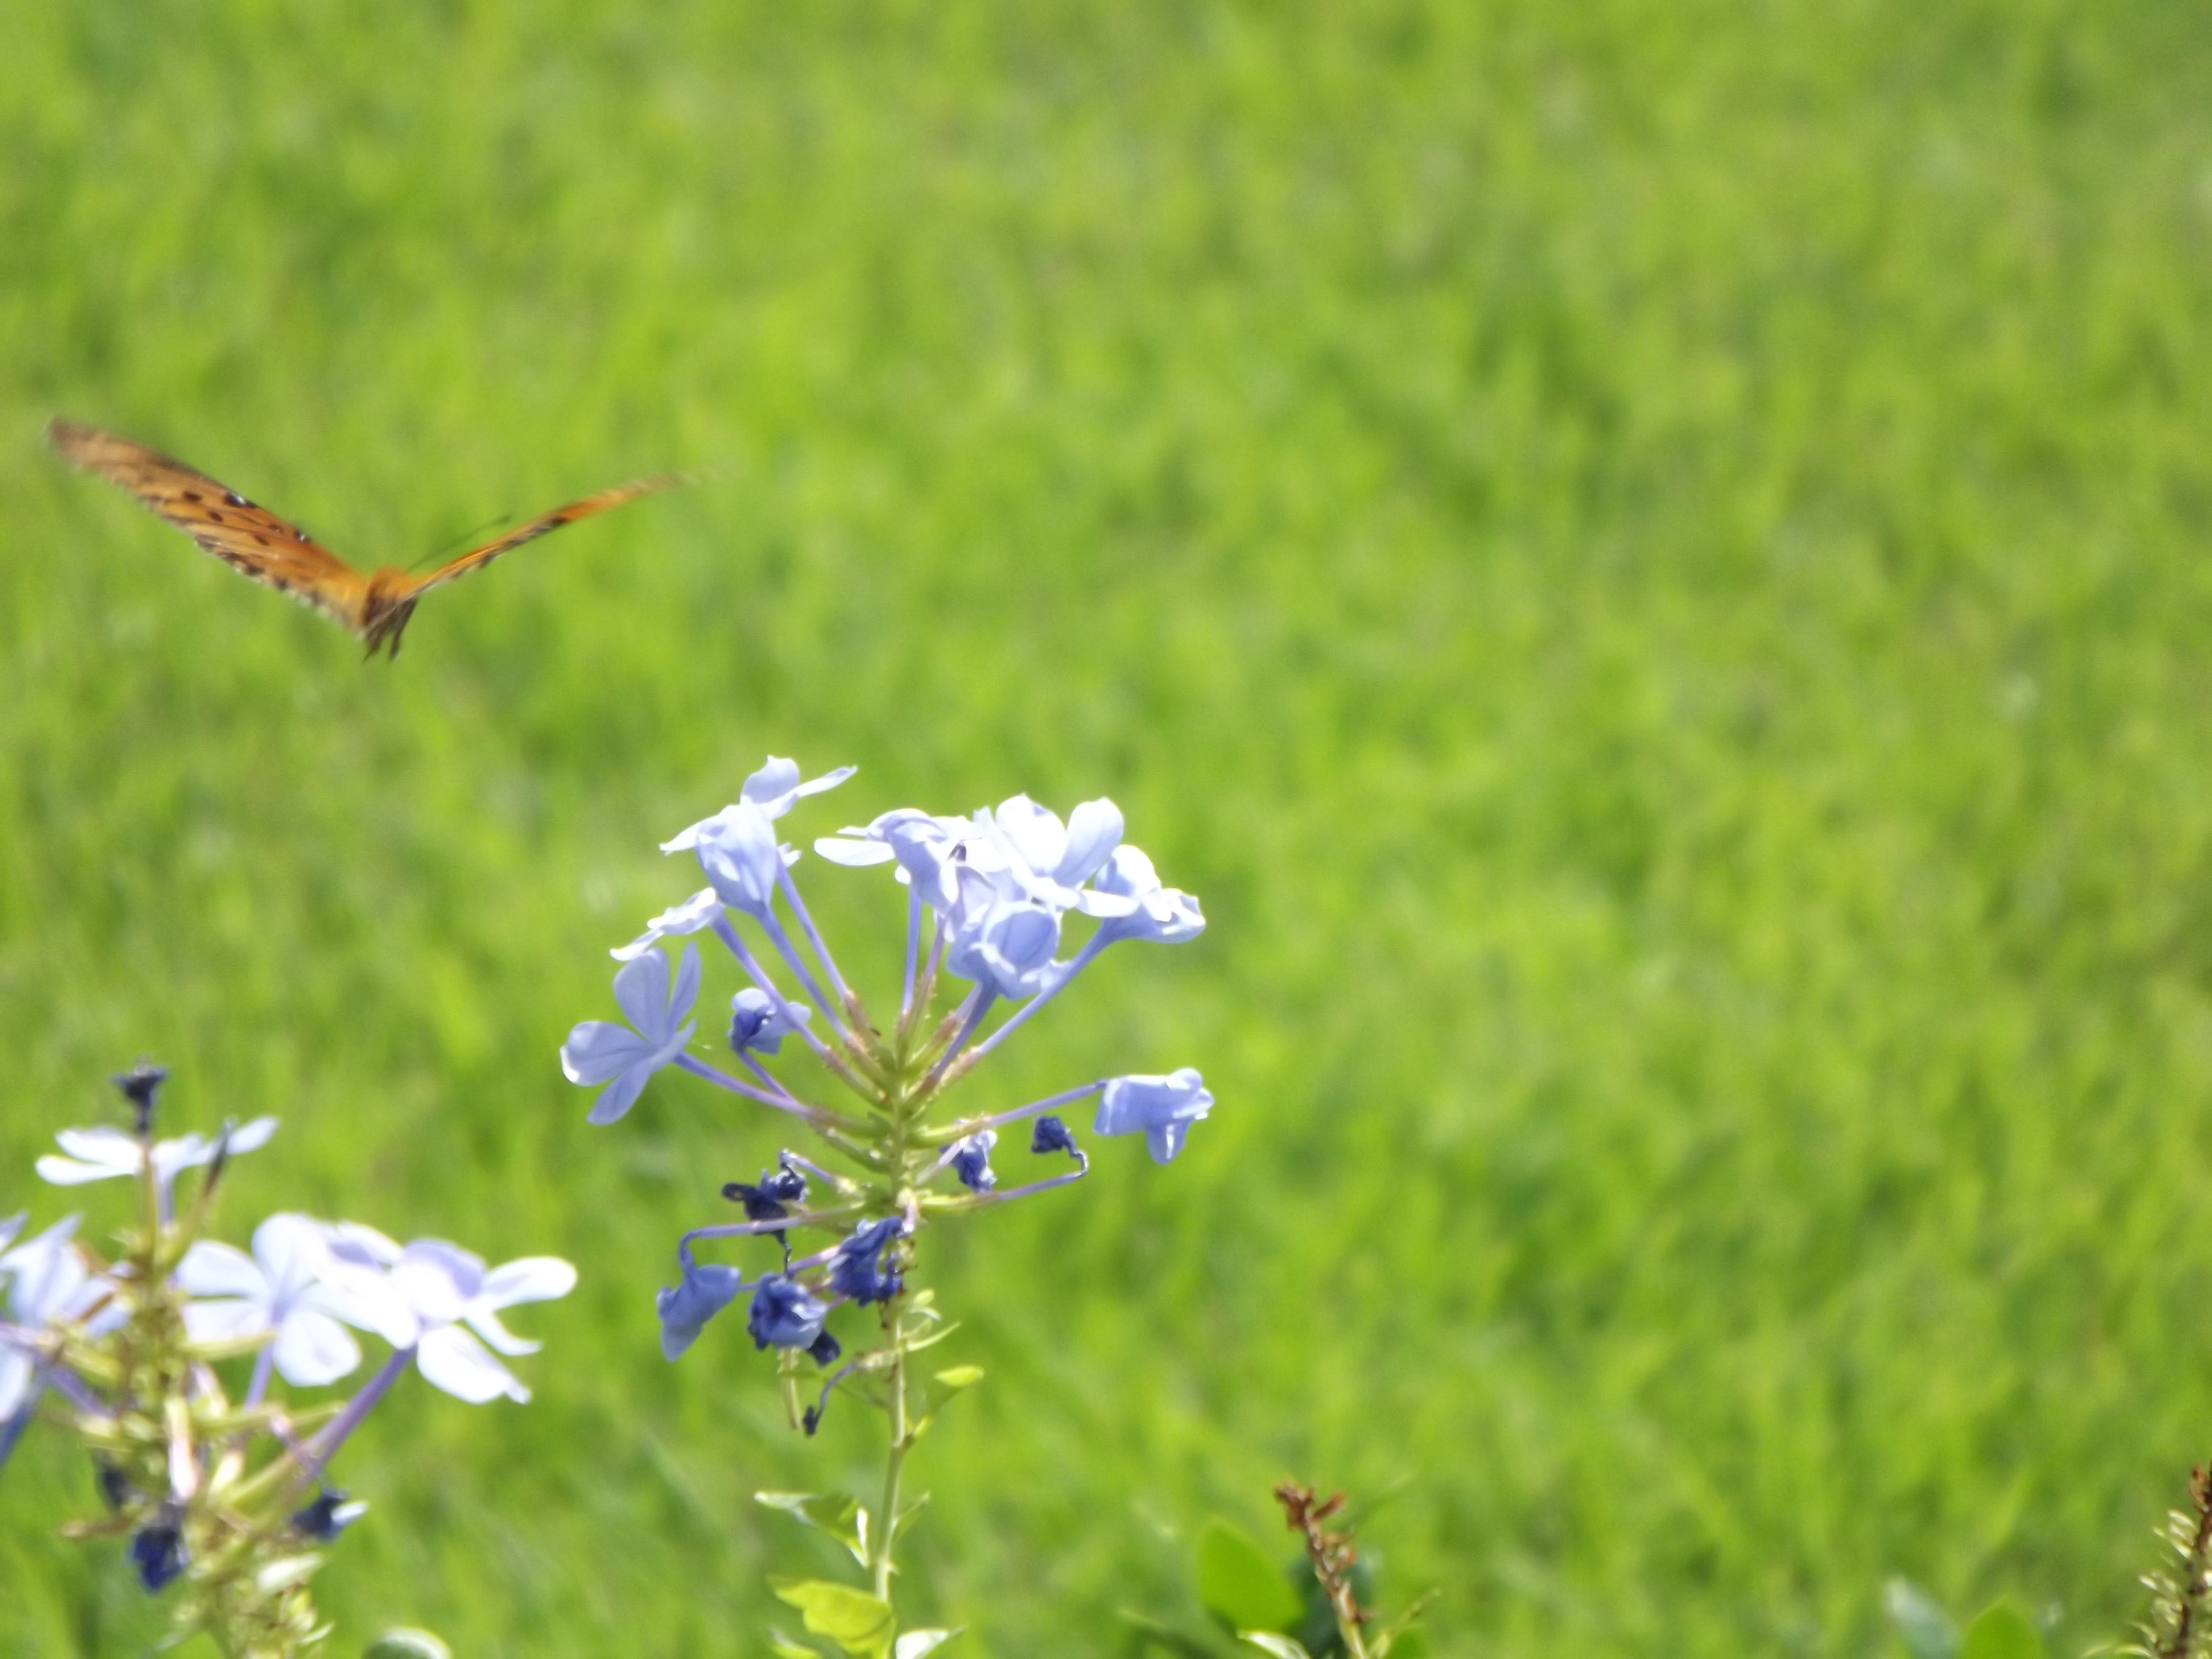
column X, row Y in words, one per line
column 235, row 498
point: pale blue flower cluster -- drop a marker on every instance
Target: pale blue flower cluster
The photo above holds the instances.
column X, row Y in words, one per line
column 990, row 898
column 303, row 1290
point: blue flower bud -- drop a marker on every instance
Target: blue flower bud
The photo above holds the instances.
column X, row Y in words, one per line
column 825, row 1350
column 783, row 1316
column 1049, row 1135
column 158, row 1552
column 971, row 1162
column 766, row 1202
column 139, row 1085
column 327, row 1516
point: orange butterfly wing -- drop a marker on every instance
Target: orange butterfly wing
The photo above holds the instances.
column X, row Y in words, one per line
column 245, row 537
column 543, row 525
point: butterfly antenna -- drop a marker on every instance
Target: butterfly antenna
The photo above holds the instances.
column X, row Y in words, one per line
column 453, row 543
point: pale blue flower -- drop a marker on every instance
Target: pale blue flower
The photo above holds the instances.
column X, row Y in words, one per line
column 775, row 788
column 701, row 910
column 684, row 1309
column 1001, row 938
column 1162, row 1107
column 1165, row 915
column 624, row 1056
column 737, row 848
column 102, row 1154
column 757, row 1025
column 291, row 1286
column 48, row 1284
column 1065, row 854
column 445, row 1288
column 923, row 843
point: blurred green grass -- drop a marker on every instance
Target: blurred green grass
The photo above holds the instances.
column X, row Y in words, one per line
column 1647, row 562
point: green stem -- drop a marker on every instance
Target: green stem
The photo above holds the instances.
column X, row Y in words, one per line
column 887, row 1521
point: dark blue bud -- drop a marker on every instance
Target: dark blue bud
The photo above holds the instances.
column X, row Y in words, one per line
column 767, row 1201
column 971, row 1162
column 140, row 1084
column 825, row 1350
column 158, row 1552
column 1049, row 1135
column 327, row 1516
column 114, row 1489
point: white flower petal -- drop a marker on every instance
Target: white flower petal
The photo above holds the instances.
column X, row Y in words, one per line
column 68, row 1172
column 15, row 1380
column 293, row 1251
column 531, row 1278
column 856, row 854
column 364, row 1297
column 221, row 1321
column 118, row 1152
column 438, row 1279
column 313, row 1349
column 251, row 1135
column 485, row 1323
column 353, row 1241
column 450, row 1358
column 212, row 1269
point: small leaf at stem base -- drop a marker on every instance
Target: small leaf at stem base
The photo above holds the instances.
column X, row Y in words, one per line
column 857, row 1621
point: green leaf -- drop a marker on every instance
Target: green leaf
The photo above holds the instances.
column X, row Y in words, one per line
column 2002, row 1632
column 916, row 1643
column 407, row 1644
column 784, row 1648
column 1180, row 1643
column 1238, row 1582
column 951, row 1381
column 855, row 1620
column 1283, row 1647
column 1920, row 1619
column 842, row 1518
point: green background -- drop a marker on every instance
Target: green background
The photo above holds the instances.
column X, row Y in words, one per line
column 1647, row 561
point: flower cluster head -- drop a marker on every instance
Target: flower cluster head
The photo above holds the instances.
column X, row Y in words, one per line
column 991, row 900
column 126, row 1353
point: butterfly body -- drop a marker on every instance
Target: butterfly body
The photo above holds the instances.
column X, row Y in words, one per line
column 254, row 541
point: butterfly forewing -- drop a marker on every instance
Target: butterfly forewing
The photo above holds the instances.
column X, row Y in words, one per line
column 545, row 524
column 245, row 535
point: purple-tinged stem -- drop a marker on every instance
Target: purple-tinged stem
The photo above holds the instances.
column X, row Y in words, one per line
column 1098, row 942
column 325, row 1445
column 1007, row 1194
column 913, row 949
column 722, row 1079
column 265, row 1364
column 728, row 934
column 754, row 1228
column 967, row 1126
column 813, row 936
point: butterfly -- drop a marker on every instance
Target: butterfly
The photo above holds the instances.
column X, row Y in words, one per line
column 251, row 539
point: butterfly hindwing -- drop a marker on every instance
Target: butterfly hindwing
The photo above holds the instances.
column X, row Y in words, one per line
column 245, row 535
